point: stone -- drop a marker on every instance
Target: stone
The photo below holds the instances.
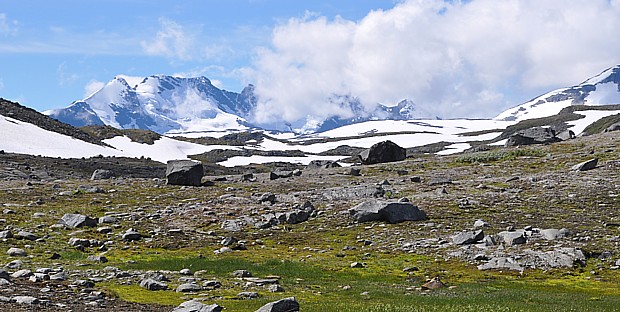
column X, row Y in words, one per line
column 241, row 273
column 4, row 274
column 434, row 283
column 501, row 263
column 234, row 225
column 613, row 127
column 267, row 198
column 566, row 135
column 468, row 237
column 247, row 295
column 186, row 272
column 512, row 238
column 75, row 242
column 392, row 212
column 274, row 175
column 97, row 258
column 6, row 234
column 184, row 172
column 382, row 152
column 102, row 174
column 107, row 219
column 24, row 273
column 248, row 177
column 356, row 265
column 283, row 305
column 188, row 287
column 480, row 223
column 28, row 300
column 586, row 165
column 16, row 252
column 322, row 164
column 131, row 235
column 195, row 306
column 354, row 171
column 535, row 135
column 553, row 234
column 26, row 235
column 275, row 288
column 74, row 220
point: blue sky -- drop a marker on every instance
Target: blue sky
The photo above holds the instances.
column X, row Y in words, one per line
column 453, row 58
column 48, row 55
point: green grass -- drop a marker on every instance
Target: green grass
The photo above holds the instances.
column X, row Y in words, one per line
column 320, row 289
column 500, row 155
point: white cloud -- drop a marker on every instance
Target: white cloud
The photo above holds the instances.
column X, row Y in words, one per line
column 455, row 59
column 92, row 86
column 65, row 77
column 7, row 27
column 170, row 41
column 1, row 84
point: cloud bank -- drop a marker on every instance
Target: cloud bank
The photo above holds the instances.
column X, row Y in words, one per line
column 453, row 58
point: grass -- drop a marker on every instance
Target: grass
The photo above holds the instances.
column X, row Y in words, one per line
column 500, row 155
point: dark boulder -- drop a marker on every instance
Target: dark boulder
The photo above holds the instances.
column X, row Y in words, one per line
column 284, row 305
column 323, row 164
column 535, row 135
column 184, row 172
column 392, row 212
column 382, row 152
column 102, row 174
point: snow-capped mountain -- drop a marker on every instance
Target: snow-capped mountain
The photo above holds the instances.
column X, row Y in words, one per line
column 166, row 104
column 602, row 89
column 161, row 104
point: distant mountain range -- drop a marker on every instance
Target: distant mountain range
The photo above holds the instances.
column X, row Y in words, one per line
column 170, row 104
column 602, row 89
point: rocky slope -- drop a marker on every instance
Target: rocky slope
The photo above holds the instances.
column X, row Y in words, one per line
column 487, row 214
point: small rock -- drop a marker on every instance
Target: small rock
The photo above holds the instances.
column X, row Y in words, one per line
column 16, row 252
column 356, row 265
column 28, row 300
column 512, row 238
column 131, row 235
column 74, row 220
column 275, row 288
column 247, row 295
column 97, row 258
column 152, row 284
column 188, row 287
column 102, row 174
column 434, row 283
column 186, row 272
column 241, row 273
column 468, row 237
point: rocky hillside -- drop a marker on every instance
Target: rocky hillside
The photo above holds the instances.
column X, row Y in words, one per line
column 510, row 228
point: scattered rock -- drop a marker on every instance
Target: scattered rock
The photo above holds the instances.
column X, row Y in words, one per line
column 566, row 135
column 248, row 177
column 512, row 238
column 480, row 223
column 247, row 295
column 535, row 135
column 392, row 212
column 184, row 172
column 75, row 220
column 97, row 258
column 586, row 165
column 16, row 252
column 102, row 174
column 195, row 306
column 28, row 300
column 322, row 164
column 241, row 273
column 152, row 284
column 188, row 287
column 283, row 305
column 613, row 127
column 434, row 283
column 382, row 152
column 553, row 234
column 353, row 171
column 468, row 237
column 131, row 235
column 26, row 235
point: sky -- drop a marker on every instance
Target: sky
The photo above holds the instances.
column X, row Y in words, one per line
column 454, row 58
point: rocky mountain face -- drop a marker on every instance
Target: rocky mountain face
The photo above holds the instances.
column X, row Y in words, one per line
column 165, row 103
column 602, row 89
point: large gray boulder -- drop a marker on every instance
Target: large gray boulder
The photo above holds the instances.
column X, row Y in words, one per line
column 284, row 305
column 392, row 212
column 74, row 220
column 184, row 172
column 382, row 152
column 511, row 238
column 153, row 285
column 535, row 135
column 195, row 306
column 613, row 127
column 468, row 237
column 586, row 165
column 102, row 174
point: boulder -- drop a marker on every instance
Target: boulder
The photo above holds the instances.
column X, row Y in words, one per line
column 152, row 284
column 586, row 165
column 468, row 237
column 613, row 127
column 322, row 164
column 195, row 306
column 189, row 287
column 566, row 135
column 535, row 135
column 16, row 252
column 382, row 152
column 553, row 234
column 74, row 220
column 131, row 235
column 392, row 212
column 283, row 305
column 184, row 172
column 512, row 238
column 102, row 174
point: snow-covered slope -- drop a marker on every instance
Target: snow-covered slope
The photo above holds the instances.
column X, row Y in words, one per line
column 602, row 89
column 25, row 138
